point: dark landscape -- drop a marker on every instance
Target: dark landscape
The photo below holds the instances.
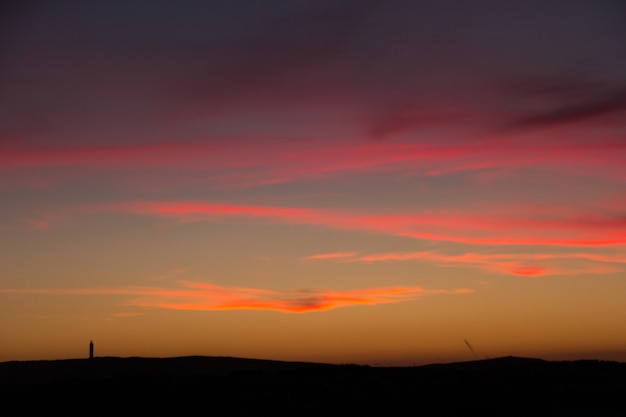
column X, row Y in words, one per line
column 510, row 386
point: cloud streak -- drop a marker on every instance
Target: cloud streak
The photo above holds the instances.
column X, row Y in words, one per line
column 610, row 103
column 209, row 297
column 554, row 229
column 520, row 264
column 258, row 161
column 333, row 255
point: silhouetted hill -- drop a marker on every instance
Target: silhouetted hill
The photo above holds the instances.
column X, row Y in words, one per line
column 114, row 367
column 508, row 386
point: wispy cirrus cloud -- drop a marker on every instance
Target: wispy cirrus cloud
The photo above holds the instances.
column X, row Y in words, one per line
column 518, row 228
column 332, row 255
column 521, row 264
column 600, row 104
column 209, row 297
column 256, row 161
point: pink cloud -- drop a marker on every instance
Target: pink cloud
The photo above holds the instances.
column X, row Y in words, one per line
column 37, row 224
column 522, row 264
column 160, row 156
column 43, row 220
column 559, row 230
column 209, row 297
column 252, row 161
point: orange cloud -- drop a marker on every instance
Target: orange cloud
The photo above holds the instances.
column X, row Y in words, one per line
column 528, row 271
column 334, row 255
column 521, row 264
column 209, row 297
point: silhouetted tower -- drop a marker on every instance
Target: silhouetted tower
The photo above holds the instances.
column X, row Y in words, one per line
column 90, row 349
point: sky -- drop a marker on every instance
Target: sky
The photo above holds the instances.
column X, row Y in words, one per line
column 372, row 182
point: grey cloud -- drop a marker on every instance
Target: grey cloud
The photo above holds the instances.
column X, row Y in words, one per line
column 123, row 69
column 607, row 103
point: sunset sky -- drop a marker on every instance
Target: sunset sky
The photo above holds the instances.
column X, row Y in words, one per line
column 374, row 182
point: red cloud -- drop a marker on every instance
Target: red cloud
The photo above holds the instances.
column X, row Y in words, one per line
column 202, row 296
column 232, row 161
column 465, row 228
column 528, row 271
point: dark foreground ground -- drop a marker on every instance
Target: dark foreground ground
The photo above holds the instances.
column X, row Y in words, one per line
column 205, row 386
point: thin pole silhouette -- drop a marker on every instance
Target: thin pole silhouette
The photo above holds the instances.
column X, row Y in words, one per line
column 470, row 348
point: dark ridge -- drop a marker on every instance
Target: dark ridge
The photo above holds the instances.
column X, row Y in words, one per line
column 198, row 385
column 115, row 367
column 506, row 361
